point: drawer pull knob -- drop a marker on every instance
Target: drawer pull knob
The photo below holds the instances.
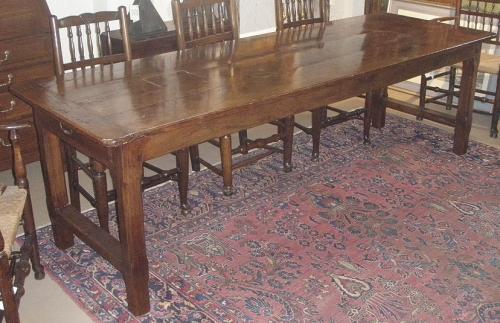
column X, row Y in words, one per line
column 4, row 143
column 12, row 106
column 64, row 130
column 10, row 79
column 5, row 58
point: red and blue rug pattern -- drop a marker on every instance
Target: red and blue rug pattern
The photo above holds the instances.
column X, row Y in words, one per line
column 401, row 230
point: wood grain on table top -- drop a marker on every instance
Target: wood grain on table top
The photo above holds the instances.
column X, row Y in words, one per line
column 116, row 102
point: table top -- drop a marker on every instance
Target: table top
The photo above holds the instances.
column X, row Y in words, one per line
column 113, row 104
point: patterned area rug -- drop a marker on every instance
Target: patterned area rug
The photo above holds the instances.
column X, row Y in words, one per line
column 401, row 230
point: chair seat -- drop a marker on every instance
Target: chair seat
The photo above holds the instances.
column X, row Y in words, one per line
column 487, row 64
column 12, row 201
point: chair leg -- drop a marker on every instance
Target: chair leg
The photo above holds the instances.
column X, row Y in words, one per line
column 243, row 137
column 29, row 249
column 101, row 193
column 194, row 152
column 496, row 111
column 288, row 143
column 451, row 88
column 31, row 237
column 182, row 161
column 10, row 307
column 317, row 122
column 423, row 94
column 72, row 177
column 227, row 164
column 372, row 101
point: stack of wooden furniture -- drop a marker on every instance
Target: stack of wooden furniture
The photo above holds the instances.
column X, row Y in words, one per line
column 25, row 53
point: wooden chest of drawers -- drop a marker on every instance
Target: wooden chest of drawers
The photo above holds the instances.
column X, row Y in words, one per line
column 25, row 53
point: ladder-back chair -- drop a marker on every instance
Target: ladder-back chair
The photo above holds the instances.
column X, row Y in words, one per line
column 296, row 17
column 480, row 15
column 297, row 13
column 85, row 36
column 203, row 22
column 16, row 207
column 200, row 22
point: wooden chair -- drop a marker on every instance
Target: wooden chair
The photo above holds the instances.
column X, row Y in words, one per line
column 475, row 14
column 298, row 16
column 83, row 32
column 202, row 22
column 15, row 204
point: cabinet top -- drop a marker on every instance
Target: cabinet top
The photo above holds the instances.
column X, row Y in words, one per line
column 23, row 17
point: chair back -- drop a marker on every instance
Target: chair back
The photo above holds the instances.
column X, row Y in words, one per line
column 375, row 6
column 480, row 15
column 295, row 13
column 201, row 22
column 89, row 40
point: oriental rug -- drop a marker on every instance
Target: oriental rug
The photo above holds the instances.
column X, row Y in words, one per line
column 401, row 230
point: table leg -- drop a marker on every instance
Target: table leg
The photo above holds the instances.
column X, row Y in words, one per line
column 377, row 105
column 463, row 121
column 127, row 175
column 55, row 183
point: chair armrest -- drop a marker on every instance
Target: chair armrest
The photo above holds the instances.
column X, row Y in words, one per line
column 442, row 19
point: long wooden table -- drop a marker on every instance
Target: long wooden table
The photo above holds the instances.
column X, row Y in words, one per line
column 124, row 114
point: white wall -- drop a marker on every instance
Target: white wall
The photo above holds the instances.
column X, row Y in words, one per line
column 347, row 8
column 163, row 6
column 63, row 8
column 255, row 15
column 258, row 15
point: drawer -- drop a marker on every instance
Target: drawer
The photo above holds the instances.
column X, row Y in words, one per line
column 23, row 23
column 74, row 137
column 28, row 143
column 18, row 51
column 12, row 109
column 29, row 72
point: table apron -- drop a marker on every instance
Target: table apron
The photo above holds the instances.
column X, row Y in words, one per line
column 165, row 140
column 75, row 138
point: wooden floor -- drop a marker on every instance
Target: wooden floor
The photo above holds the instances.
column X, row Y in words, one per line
column 45, row 301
